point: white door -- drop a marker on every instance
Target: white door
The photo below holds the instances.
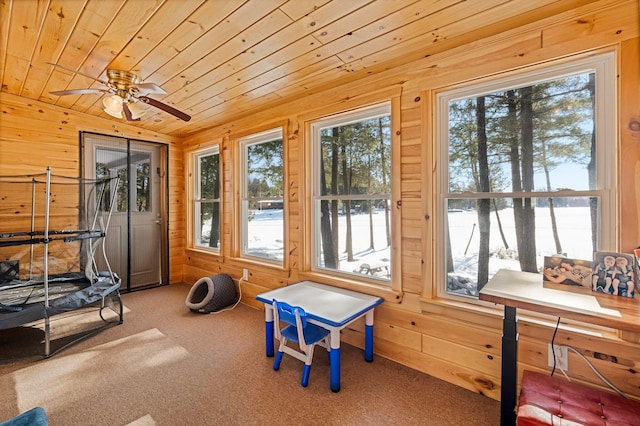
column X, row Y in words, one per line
column 134, row 239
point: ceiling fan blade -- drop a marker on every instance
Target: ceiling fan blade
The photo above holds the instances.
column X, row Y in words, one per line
column 75, row 92
column 78, row 72
column 150, row 88
column 127, row 112
column 166, row 108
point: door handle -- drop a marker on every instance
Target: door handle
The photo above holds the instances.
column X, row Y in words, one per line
column 159, row 222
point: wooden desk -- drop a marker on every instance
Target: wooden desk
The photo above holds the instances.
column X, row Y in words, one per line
column 525, row 290
column 329, row 307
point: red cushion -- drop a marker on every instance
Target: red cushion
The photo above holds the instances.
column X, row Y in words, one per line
column 546, row 400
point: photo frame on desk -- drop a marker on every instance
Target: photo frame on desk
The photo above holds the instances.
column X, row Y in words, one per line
column 614, row 274
column 567, row 272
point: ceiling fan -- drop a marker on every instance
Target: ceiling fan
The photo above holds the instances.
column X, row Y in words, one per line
column 126, row 91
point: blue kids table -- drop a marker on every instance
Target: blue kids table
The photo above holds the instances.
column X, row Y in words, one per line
column 329, row 307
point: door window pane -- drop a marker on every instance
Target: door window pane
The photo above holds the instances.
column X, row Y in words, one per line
column 132, row 170
column 111, row 163
column 143, row 185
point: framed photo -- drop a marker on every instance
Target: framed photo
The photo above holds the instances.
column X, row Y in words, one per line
column 562, row 270
column 614, row 273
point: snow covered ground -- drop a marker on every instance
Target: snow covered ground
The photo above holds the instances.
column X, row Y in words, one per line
column 573, row 224
column 266, row 240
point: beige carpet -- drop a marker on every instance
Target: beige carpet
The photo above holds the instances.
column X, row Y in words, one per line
column 168, row 366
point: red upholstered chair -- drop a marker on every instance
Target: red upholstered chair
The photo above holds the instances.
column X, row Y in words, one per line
column 547, row 400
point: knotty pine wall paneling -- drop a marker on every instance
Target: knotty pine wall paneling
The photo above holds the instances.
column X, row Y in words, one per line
column 34, row 135
column 454, row 341
column 629, row 148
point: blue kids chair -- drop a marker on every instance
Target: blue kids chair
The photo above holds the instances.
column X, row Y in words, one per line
column 298, row 330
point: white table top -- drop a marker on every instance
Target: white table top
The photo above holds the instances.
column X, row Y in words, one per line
column 526, row 290
column 330, row 305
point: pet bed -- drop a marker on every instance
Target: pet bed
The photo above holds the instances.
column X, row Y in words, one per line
column 210, row 294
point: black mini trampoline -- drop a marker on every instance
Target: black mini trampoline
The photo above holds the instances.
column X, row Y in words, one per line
column 210, row 294
column 52, row 254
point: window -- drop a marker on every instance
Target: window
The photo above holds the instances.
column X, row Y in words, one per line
column 133, row 169
column 263, row 196
column 529, row 171
column 352, row 194
column 206, row 200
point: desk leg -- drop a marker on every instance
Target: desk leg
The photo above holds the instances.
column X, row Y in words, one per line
column 334, row 359
column 509, row 367
column 368, row 336
column 268, row 313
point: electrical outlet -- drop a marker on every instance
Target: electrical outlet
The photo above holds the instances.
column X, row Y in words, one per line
column 245, row 274
column 562, row 357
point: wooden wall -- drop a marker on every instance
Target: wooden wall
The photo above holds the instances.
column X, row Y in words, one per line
column 34, row 135
column 456, row 342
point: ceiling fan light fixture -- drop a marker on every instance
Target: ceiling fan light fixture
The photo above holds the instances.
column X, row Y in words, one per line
column 113, row 105
column 137, row 110
column 124, row 86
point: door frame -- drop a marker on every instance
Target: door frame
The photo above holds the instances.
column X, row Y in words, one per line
column 162, row 172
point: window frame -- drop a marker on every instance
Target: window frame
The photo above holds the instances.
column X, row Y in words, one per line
column 243, row 142
column 314, row 125
column 194, row 172
column 604, row 66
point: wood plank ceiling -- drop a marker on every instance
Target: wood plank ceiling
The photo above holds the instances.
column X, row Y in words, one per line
column 223, row 59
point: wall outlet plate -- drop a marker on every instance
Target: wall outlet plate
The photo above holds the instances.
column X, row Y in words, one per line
column 245, row 274
column 562, row 357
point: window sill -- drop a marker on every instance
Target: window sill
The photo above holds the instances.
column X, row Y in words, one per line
column 386, row 292
column 204, row 250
